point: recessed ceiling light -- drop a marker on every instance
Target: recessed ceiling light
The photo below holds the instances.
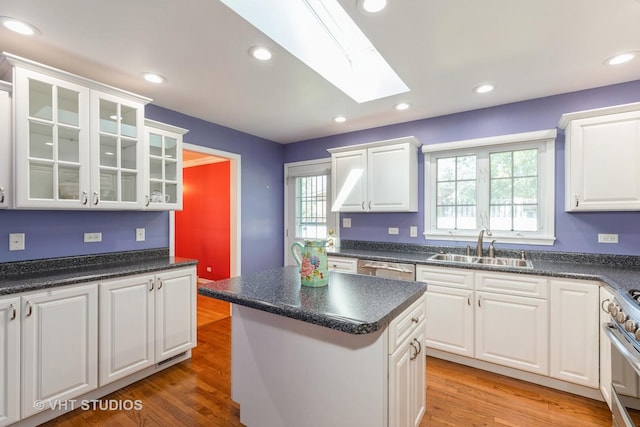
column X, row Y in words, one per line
column 483, row 88
column 261, row 53
column 340, row 119
column 621, row 59
column 372, row 6
column 402, row 106
column 19, row 27
column 154, row 78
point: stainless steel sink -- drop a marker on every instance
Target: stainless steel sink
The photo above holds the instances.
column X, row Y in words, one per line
column 453, row 258
column 467, row 259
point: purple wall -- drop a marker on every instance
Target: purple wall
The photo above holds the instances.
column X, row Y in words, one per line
column 262, row 184
column 575, row 232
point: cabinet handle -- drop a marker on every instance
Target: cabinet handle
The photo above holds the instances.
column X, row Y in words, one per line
column 29, row 308
column 363, row 205
column 577, row 200
column 147, row 201
column 416, row 351
column 1, row 194
column 13, row 312
column 152, row 285
column 96, row 198
column 419, row 346
column 85, row 198
column 415, row 319
column 159, row 284
column 369, row 204
column 469, row 300
column 479, row 298
column 604, row 305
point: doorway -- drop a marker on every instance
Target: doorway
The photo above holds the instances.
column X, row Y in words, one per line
column 195, row 155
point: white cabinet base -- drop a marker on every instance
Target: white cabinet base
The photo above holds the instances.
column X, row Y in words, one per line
column 286, row 372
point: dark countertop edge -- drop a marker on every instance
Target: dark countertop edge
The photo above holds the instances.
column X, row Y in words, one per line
column 350, row 326
column 605, row 273
column 16, row 284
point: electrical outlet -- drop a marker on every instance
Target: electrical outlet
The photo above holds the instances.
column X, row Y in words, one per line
column 413, row 231
column 346, row 222
column 208, row 269
column 139, row 234
column 607, row 238
column 16, row 241
column 393, row 230
column 92, row 237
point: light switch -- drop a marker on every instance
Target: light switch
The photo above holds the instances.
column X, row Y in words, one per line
column 346, row 222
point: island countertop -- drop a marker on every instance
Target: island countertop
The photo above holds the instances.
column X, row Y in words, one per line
column 351, row 303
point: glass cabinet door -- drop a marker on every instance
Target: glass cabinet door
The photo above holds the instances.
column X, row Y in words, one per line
column 164, row 168
column 52, row 148
column 116, row 181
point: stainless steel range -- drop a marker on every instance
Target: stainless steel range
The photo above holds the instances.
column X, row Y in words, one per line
column 624, row 333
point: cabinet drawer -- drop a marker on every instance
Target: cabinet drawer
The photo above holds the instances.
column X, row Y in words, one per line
column 404, row 325
column 345, row 265
column 513, row 284
column 445, row 276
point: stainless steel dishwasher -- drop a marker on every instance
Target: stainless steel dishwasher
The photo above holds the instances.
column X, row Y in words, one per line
column 391, row 270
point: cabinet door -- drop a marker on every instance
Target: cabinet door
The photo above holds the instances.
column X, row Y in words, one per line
column 127, row 319
column 51, row 142
column 117, row 152
column 449, row 320
column 603, row 159
column 349, row 181
column 5, row 145
column 392, row 178
column 407, row 381
column 513, row 331
column 574, row 340
column 9, row 360
column 59, row 345
column 163, row 187
column 175, row 312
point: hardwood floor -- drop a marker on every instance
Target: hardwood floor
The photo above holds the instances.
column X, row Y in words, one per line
column 197, row 393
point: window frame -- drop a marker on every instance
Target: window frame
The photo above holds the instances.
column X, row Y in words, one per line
column 481, row 147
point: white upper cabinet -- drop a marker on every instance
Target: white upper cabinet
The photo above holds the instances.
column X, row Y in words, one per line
column 78, row 143
column 5, row 145
column 163, row 187
column 602, row 159
column 376, row 177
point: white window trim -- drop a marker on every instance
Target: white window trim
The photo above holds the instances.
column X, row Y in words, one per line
column 545, row 139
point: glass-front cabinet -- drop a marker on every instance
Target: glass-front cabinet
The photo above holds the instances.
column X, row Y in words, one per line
column 5, row 145
column 118, row 150
column 52, row 141
column 164, row 166
column 79, row 144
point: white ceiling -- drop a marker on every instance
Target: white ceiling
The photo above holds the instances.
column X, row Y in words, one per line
column 440, row 48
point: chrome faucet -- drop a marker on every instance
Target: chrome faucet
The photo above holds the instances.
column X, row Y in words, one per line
column 479, row 247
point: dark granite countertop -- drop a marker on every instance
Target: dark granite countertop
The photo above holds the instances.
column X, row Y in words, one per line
column 619, row 273
column 351, row 303
column 43, row 274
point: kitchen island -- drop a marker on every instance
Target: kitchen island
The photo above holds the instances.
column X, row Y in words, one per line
column 349, row 353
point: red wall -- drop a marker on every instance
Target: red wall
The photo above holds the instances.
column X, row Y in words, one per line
column 202, row 227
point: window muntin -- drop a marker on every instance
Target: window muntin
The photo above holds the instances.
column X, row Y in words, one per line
column 311, row 207
column 456, row 192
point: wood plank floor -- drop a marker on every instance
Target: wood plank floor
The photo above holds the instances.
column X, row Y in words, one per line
column 197, row 393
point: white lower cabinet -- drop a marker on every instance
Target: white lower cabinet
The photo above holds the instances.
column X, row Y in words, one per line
column 344, row 265
column 407, row 395
column 9, row 360
column 59, row 345
column 574, row 332
column 531, row 323
column 513, row 331
column 144, row 320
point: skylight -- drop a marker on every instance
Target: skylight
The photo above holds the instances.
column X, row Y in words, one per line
column 323, row 36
